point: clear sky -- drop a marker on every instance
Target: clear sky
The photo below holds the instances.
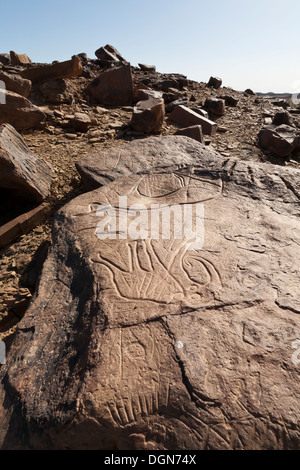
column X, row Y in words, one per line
column 248, row 43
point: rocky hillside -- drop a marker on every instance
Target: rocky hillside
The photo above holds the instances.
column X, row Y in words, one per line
column 71, row 127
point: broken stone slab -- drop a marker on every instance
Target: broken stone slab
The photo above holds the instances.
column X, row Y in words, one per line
column 194, row 132
column 139, row 156
column 153, row 345
column 19, row 111
column 21, row 172
column 19, row 59
column 113, row 87
column 16, row 83
column 68, row 69
column 186, row 117
column 215, row 82
column 23, row 224
column 109, row 53
column 279, row 140
column 148, row 115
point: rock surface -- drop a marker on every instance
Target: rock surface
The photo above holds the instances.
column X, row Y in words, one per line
column 16, row 84
column 113, row 87
column 19, row 111
column 147, row 344
column 280, row 140
column 68, row 69
column 186, row 117
column 194, row 132
column 109, row 53
column 19, row 59
column 21, row 171
column 148, row 115
column 215, row 82
column 139, row 156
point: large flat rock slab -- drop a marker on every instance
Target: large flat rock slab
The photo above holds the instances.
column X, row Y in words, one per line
column 22, row 173
column 141, row 156
column 164, row 342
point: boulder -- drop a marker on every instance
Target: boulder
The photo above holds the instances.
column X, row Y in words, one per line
column 215, row 106
column 81, row 122
column 186, row 117
column 158, row 343
column 5, row 59
column 16, row 83
column 109, row 53
column 283, row 117
column 165, row 83
column 194, row 132
column 215, row 82
column 21, row 172
column 147, row 68
column 148, row 115
column 19, row 111
column 230, row 100
column 249, row 92
column 177, row 102
column 139, row 156
column 113, row 87
column 68, row 69
column 82, row 56
column 19, row 59
column 142, row 94
column 279, row 140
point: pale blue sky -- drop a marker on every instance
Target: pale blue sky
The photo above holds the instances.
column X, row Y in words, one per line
column 249, row 44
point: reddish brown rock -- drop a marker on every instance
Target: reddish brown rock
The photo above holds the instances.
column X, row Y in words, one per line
column 19, row 111
column 55, row 91
column 215, row 106
column 19, row 59
column 21, row 172
column 23, row 224
column 186, row 117
column 143, row 94
column 147, row 68
column 148, row 115
column 155, row 343
column 5, row 59
column 81, row 122
column 194, row 132
column 230, row 100
column 68, row 69
column 109, row 53
column 16, row 83
column 113, row 87
column 281, row 117
column 280, row 141
column 214, row 82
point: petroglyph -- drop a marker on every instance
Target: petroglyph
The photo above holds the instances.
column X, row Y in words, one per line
column 160, row 270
